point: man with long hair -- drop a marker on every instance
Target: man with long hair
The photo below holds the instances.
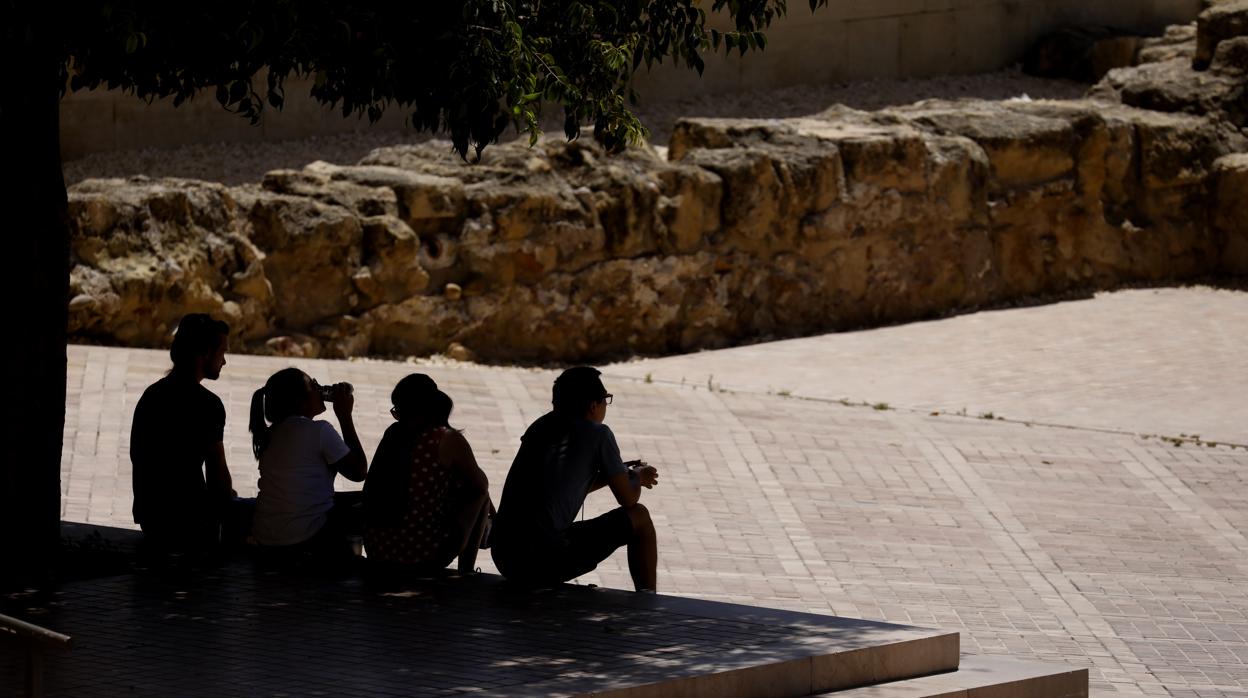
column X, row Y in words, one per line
column 182, row 485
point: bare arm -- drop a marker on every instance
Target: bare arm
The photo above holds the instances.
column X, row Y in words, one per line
column 456, row 450
column 599, row 482
column 217, row 473
column 354, row 465
column 627, row 492
column 627, row 486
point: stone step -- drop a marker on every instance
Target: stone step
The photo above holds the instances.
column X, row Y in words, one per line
column 986, row 677
column 787, row 654
column 443, row 634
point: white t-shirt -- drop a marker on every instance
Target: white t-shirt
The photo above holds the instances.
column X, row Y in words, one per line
column 296, row 481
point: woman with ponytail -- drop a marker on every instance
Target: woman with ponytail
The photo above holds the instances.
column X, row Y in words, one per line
column 299, row 459
column 426, row 500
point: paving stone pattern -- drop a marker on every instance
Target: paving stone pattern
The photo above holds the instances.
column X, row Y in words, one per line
column 1082, row 543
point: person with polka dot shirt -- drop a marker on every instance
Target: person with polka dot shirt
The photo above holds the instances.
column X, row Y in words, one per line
column 426, row 501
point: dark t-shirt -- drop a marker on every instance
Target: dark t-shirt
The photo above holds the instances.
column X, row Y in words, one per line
column 550, row 477
column 176, row 424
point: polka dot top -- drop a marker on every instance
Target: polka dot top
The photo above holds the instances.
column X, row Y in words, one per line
column 422, row 534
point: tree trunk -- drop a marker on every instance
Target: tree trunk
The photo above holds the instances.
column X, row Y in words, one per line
column 35, row 234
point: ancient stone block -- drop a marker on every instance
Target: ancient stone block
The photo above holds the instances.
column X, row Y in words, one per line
column 1224, row 20
column 1230, row 213
column 318, row 184
column 756, row 227
column 690, row 208
column 391, row 269
column 312, row 250
column 1178, row 41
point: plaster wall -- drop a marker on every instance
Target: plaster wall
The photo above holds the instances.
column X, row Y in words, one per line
column 848, row 40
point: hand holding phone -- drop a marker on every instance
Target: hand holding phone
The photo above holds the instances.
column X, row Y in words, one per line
column 647, row 475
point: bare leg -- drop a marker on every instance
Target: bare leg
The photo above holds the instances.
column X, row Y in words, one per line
column 643, row 550
column 470, row 518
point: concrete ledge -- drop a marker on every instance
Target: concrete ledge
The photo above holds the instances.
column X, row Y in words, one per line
column 987, row 677
column 243, row 629
column 805, row 654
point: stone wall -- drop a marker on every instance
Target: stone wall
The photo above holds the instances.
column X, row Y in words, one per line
column 848, row 40
column 751, row 228
column 748, row 228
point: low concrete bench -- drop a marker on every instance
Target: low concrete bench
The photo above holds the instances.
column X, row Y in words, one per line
column 36, row 641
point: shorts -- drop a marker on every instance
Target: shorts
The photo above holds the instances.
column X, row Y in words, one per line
column 585, row 544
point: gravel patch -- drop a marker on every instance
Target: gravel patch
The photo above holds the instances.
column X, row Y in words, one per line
column 240, row 163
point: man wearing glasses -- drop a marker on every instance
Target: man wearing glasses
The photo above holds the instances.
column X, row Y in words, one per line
column 565, row 455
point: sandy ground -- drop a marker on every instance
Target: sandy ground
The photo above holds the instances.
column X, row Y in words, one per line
column 238, row 163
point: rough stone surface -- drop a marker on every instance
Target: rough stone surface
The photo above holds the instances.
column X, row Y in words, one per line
column 1196, row 69
column 1178, row 41
column 751, row 228
column 1175, row 86
column 1085, row 54
column 145, row 252
column 1223, row 20
column 1231, row 212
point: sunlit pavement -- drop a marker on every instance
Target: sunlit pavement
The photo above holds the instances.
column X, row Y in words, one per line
column 1070, row 531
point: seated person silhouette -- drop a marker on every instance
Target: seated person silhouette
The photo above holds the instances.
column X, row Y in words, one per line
column 182, row 486
column 426, row 501
column 565, row 455
column 296, row 508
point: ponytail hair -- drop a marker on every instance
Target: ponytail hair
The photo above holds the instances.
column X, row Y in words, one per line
column 278, row 399
column 256, row 424
column 438, row 411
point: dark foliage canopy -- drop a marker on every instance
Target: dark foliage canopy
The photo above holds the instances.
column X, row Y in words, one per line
column 469, row 69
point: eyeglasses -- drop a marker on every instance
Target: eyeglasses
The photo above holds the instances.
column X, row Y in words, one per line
column 394, row 412
column 607, row 398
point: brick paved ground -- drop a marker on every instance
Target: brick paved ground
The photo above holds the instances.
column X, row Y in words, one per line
column 1084, row 543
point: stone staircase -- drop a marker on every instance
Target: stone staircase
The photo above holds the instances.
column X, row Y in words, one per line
column 822, row 655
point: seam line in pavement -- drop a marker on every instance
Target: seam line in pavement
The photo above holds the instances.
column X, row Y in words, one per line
column 927, row 412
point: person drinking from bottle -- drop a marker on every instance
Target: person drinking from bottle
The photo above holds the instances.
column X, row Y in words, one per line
column 299, row 458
